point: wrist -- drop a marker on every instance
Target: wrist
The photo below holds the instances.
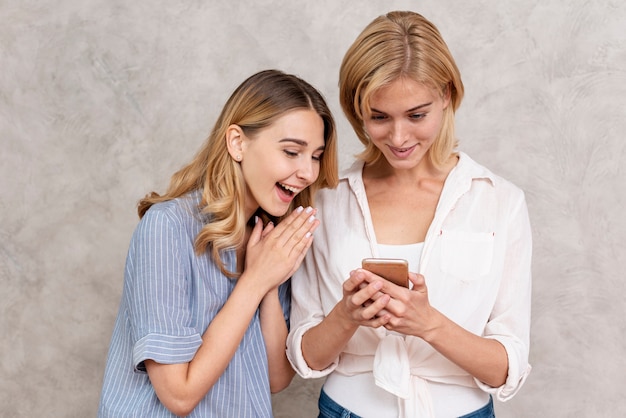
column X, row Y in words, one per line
column 436, row 326
column 271, row 296
column 253, row 287
column 342, row 319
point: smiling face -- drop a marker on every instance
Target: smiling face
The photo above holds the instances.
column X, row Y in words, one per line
column 405, row 119
column 280, row 160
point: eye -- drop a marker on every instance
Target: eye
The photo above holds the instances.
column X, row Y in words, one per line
column 291, row 154
column 318, row 157
column 378, row 117
column 417, row 116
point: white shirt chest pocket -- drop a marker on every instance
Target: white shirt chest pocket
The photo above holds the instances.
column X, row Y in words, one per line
column 466, row 255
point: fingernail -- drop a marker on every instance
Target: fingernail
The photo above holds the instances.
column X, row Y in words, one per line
column 311, row 218
column 378, row 285
column 299, row 209
column 307, row 235
column 256, row 220
column 309, row 209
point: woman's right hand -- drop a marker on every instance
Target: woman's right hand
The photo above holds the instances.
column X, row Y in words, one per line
column 274, row 253
column 362, row 302
column 322, row 343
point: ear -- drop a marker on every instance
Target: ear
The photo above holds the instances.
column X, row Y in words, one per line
column 234, row 142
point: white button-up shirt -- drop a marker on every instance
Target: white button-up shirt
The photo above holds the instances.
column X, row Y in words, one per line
column 476, row 261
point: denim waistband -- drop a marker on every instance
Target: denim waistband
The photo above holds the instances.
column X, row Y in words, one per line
column 484, row 412
column 330, row 409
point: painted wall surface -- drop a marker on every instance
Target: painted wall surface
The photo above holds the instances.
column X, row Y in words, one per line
column 102, row 100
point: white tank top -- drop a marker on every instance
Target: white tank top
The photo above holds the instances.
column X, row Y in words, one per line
column 410, row 252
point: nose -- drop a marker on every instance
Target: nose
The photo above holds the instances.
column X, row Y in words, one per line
column 398, row 134
column 308, row 170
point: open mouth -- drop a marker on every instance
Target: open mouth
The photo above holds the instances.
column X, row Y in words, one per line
column 290, row 191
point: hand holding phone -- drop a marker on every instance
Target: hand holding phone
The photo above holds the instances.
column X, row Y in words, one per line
column 396, row 270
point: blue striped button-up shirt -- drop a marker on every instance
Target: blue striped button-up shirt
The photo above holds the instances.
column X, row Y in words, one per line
column 169, row 298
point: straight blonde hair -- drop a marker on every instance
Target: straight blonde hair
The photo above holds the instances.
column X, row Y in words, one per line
column 254, row 105
column 399, row 44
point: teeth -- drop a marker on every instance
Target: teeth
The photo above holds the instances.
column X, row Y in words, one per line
column 291, row 189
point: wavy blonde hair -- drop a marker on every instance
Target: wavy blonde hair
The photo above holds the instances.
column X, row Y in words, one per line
column 399, row 44
column 253, row 106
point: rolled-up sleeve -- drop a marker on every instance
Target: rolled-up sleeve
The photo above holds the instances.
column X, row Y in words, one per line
column 510, row 319
column 165, row 349
column 158, row 288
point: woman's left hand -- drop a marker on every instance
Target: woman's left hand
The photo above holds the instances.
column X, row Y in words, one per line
column 409, row 310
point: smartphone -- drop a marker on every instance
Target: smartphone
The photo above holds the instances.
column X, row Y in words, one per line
column 396, row 270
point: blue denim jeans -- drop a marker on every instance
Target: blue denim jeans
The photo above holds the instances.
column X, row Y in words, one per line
column 331, row 409
column 484, row 412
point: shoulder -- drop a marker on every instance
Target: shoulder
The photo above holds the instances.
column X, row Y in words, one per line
column 177, row 214
column 476, row 171
column 179, row 209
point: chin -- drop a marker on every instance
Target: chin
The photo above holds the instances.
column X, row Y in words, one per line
column 276, row 212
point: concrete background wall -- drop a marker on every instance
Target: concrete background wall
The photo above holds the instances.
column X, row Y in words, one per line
column 102, row 100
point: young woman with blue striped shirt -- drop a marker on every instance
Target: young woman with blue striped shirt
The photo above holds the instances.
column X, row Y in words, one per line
column 203, row 319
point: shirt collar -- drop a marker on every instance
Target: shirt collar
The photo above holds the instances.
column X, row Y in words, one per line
column 466, row 168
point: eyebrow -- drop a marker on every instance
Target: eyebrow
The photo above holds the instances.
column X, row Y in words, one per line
column 300, row 142
column 413, row 109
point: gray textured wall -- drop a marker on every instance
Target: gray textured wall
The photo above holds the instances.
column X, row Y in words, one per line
column 101, row 100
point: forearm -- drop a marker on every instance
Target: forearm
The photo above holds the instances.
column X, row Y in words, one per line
column 275, row 332
column 181, row 386
column 485, row 359
column 322, row 344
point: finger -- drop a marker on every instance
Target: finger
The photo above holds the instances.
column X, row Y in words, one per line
column 383, row 312
column 368, row 292
column 296, row 214
column 378, row 322
column 255, row 236
column 292, row 230
column 376, row 309
column 369, row 276
column 301, row 255
column 389, row 287
column 302, row 239
column 354, row 282
column 419, row 282
column 282, row 225
column 267, row 229
column 304, row 226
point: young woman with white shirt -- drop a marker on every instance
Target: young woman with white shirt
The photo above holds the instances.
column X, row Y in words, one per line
column 459, row 336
